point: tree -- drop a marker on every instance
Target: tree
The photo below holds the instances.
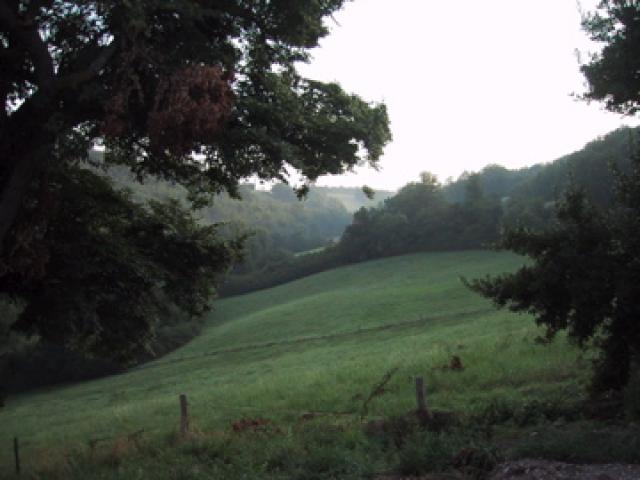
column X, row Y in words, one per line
column 368, row 192
column 202, row 94
column 474, row 191
column 97, row 278
column 584, row 276
column 415, row 196
column 611, row 74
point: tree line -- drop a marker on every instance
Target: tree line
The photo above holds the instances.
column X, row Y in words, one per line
column 470, row 212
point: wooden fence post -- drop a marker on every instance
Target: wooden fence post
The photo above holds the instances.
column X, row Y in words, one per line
column 16, row 453
column 184, row 415
column 422, row 404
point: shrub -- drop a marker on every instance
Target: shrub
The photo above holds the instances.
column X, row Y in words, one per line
column 632, row 397
column 426, row 452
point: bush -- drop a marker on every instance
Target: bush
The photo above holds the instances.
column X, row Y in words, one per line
column 581, row 443
column 427, row 452
column 282, row 272
column 393, row 432
column 499, row 412
column 632, row 397
column 47, row 364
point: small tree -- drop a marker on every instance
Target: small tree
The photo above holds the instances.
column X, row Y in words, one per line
column 585, row 271
column 583, row 278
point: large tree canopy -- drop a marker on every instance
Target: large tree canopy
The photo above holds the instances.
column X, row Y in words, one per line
column 107, row 266
column 198, row 92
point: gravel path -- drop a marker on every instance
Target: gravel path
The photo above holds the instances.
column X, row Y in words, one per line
column 544, row 470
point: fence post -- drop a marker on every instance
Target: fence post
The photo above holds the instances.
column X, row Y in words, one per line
column 16, row 453
column 184, row 415
column 422, row 404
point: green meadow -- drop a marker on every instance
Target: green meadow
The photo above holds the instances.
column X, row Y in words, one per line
column 316, row 346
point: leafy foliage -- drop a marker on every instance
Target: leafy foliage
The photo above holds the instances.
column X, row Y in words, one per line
column 110, row 264
column 162, row 81
column 418, row 218
column 611, row 74
column 202, row 94
column 583, row 277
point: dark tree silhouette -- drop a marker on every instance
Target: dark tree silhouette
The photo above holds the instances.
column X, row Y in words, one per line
column 201, row 94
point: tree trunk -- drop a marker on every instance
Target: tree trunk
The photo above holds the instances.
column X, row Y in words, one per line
column 26, row 140
column 13, row 192
column 613, row 368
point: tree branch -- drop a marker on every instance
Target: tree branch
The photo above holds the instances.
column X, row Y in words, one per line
column 35, row 6
column 10, row 56
column 73, row 79
column 26, row 33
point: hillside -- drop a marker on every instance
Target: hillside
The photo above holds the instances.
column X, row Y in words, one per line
column 276, row 220
column 589, row 167
column 353, row 198
column 317, row 345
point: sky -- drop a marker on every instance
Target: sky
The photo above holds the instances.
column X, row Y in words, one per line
column 467, row 83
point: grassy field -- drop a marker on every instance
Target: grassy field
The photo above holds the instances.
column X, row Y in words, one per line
column 319, row 344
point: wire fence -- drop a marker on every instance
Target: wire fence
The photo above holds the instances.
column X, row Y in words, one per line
column 186, row 428
column 136, row 436
column 249, row 418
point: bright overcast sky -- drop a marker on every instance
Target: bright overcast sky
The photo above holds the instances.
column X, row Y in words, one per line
column 467, row 83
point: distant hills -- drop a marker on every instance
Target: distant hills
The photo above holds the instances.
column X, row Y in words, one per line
column 589, row 167
column 353, row 198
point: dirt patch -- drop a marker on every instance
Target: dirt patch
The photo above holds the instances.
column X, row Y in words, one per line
column 540, row 470
column 546, row 470
column 433, row 476
column 254, row 425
